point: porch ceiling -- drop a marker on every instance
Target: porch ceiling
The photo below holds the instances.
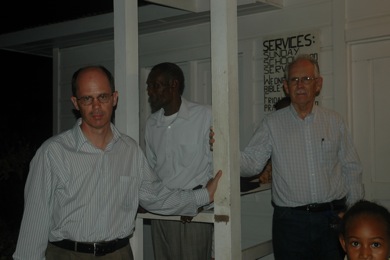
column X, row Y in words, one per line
column 41, row 40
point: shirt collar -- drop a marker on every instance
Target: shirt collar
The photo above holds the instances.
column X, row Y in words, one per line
column 308, row 118
column 80, row 138
column 183, row 112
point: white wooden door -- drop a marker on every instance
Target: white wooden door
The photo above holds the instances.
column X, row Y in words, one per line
column 370, row 99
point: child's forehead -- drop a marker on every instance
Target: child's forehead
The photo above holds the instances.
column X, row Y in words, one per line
column 368, row 217
column 367, row 224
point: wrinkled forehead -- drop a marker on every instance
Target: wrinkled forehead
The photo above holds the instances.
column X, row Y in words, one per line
column 302, row 66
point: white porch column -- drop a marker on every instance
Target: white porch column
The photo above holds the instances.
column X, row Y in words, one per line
column 126, row 81
column 126, row 66
column 224, row 59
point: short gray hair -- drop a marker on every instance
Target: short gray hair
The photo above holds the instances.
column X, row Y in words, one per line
column 300, row 57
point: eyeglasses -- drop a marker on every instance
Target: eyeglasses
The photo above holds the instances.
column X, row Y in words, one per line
column 305, row 80
column 102, row 98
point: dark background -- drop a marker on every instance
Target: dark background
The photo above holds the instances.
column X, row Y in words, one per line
column 26, row 121
column 25, row 14
column 26, row 101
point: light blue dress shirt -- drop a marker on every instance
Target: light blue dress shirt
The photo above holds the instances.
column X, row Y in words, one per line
column 313, row 159
column 178, row 149
column 79, row 192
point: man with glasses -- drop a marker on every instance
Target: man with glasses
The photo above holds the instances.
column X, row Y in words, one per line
column 316, row 172
column 85, row 184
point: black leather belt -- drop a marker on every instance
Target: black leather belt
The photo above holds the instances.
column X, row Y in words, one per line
column 338, row 205
column 97, row 249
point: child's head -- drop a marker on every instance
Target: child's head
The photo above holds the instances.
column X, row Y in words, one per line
column 365, row 231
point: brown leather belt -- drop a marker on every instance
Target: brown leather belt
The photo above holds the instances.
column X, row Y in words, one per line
column 337, row 205
column 97, row 249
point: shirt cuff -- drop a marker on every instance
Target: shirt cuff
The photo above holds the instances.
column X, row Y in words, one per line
column 201, row 197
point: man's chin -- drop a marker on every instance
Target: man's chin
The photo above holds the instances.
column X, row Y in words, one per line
column 154, row 108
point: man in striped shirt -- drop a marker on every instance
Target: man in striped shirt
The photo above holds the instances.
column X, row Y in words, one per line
column 85, row 184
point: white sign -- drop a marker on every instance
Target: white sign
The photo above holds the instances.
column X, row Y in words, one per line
column 278, row 51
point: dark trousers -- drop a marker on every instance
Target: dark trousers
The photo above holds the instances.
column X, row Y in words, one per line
column 303, row 235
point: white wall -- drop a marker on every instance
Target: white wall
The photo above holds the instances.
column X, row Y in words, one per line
column 368, row 38
column 68, row 61
column 193, row 44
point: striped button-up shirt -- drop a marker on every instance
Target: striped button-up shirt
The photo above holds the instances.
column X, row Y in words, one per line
column 79, row 192
column 313, row 159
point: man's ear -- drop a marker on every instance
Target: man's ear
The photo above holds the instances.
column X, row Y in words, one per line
column 115, row 96
column 74, row 101
column 319, row 82
column 175, row 84
column 285, row 87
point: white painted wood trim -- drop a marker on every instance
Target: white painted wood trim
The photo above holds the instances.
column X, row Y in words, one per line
column 224, row 71
column 126, row 67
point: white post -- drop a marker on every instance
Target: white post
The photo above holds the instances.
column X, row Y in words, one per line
column 126, row 82
column 224, row 58
column 126, row 66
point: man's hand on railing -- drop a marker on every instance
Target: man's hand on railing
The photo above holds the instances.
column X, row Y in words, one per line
column 185, row 219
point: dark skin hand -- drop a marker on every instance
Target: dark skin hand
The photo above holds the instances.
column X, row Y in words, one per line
column 211, row 187
column 212, row 140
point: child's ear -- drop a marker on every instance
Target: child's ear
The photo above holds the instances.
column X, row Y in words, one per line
column 342, row 242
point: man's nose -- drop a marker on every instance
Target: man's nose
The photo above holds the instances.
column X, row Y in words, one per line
column 149, row 91
column 300, row 82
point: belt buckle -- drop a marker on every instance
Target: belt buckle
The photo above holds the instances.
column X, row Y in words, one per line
column 311, row 207
column 96, row 251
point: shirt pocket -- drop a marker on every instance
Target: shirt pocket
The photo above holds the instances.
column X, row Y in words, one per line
column 328, row 152
column 188, row 154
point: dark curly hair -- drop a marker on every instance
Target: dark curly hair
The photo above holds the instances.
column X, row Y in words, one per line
column 365, row 207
